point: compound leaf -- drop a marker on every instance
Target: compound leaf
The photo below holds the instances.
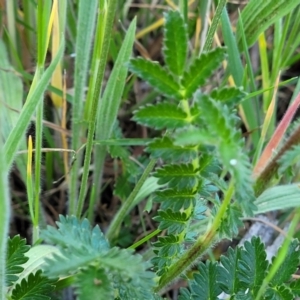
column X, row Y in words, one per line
column 201, row 69
column 229, row 280
column 295, row 287
column 222, row 123
column 161, row 116
column 157, row 76
column 289, row 266
column 205, row 284
column 35, row 287
column 174, row 222
column 253, row 265
column 175, row 42
column 279, row 293
column 165, row 149
column 228, row 95
column 76, row 235
column 16, row 248
column 180, row 175
column 93, row 283
column 176, row 199
column 232, row 222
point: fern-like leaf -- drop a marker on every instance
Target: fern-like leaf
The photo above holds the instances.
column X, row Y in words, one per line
column 174, row 222
column 16, row 249
column 165, row 149
column 76, row 236
column 157, row 76
column 35, row 287
column 175, row 42
column 295, row 287
column 176, row 199
column 232, row 222
column 161, row 116
column 201, row 69
column 93, row 283
column 85, row 247
column 180, row 175
column 253, row 265
column 228, row 275
column 221, row 123
column 228, row 95
column 289, row 266
column 205, row 284
column 281, row 292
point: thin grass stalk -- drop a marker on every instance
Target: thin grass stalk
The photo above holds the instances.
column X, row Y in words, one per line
column 248, row 107
column 85, row 29
column 34, row 96
column 119, row 217
column 10, row 12
column 183, row 5
column 204, row 6
column 4, row 218
column 108, row 110
column 214, row 25
column 111, row 10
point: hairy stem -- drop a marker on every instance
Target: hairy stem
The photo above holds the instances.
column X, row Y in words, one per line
column 200, row 246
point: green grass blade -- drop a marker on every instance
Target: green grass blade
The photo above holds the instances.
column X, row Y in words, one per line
column 259, row 15
column 15, row 137
column 4, row 215
column 214, row 25
column 236, row 69
column 111, row 10
column 110, row 104
column 85, row 28
column 11, row 94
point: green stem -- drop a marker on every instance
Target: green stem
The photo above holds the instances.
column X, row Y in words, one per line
column 183, row 4
column 95, row 103
column 201, row 245
column 118, row 219
column 214, row 25
column 38, row 161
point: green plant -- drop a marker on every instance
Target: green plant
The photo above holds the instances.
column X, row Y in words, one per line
column 204, row 182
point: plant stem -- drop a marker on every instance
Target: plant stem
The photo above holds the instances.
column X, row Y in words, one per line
column 92, row 124
column 118, row 219
column 200, row 246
